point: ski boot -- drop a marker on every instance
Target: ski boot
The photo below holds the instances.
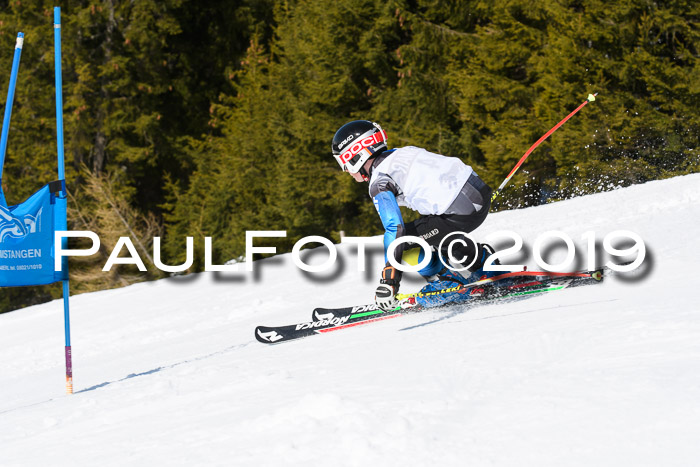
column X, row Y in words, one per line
column 442, row 288
column 479, row 273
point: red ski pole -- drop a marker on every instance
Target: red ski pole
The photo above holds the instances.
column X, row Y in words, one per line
column 590, row 98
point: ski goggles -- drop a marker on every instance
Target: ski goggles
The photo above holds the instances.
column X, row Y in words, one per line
column 356, row 154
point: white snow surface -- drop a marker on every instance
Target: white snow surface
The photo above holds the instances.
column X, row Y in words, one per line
column 169, row 372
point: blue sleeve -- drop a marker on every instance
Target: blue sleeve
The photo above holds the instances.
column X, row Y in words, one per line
column 390, row 214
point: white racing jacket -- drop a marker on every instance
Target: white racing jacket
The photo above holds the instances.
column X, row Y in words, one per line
column 420, row 180
column 425, row 182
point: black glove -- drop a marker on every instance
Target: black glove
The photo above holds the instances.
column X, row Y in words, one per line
column 384, row 296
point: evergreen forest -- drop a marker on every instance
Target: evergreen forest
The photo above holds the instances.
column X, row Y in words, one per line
column 209, row 118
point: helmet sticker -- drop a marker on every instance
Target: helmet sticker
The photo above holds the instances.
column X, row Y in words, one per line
column 345, row 141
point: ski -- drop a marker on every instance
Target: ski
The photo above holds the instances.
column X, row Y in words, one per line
column 596, row 275
column 489, row 292
column 326, row 320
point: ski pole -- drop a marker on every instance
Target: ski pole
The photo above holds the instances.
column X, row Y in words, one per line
column 590, row 98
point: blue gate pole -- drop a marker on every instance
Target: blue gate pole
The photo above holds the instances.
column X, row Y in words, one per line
column 61, row 201
column 8, row 104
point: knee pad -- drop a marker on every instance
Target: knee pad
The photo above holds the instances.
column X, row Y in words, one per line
column 416, row 255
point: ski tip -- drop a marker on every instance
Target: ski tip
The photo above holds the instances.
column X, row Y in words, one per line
column 320, row 314
column 267, row 335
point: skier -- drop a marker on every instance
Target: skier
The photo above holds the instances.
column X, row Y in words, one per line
column 448, row 194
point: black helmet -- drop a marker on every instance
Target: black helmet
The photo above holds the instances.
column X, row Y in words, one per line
column 357, row 141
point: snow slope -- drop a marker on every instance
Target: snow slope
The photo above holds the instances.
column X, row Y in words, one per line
column 169, row 373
